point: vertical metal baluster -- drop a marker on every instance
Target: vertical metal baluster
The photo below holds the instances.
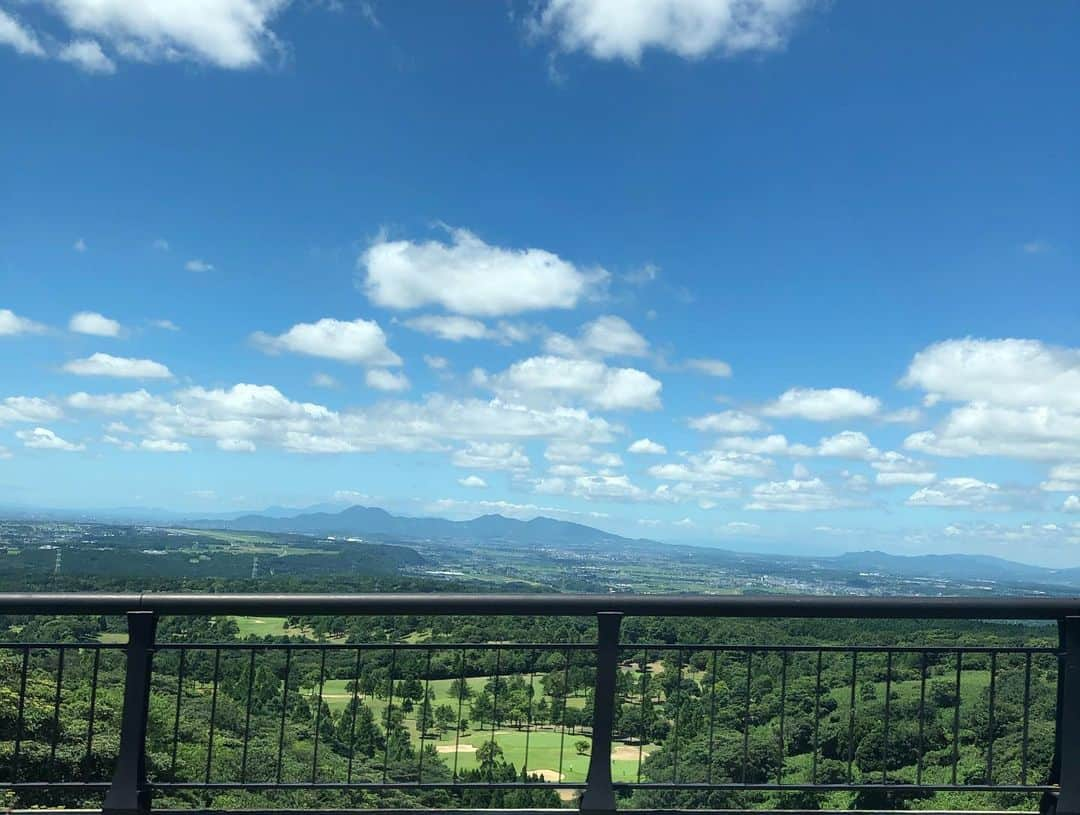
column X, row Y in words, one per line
column 851, row 716
column 712, row 713
column 922, row 718
column 284, row 710
column 783, row 711
column 990, row 723
column 678, row 716
column 529, row 715
column 644, row 687
column 56, row 707
column 426, row 714
column 956, row 718
column 746, row 718
column 93, row 705
column 176, row 719
column 247, row 717
column 495, row 707
column 213, row 712
column 460, row 700
column 888, row 709
column 389, row 710
column 1027, row 719
column 318, row 713
column 20, row 719
column 355, row 706
column 566, row 698
column 817, row 718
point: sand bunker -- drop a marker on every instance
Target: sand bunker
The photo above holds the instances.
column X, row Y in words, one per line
column 547, row 775
column 628, row 752
column 458, row 748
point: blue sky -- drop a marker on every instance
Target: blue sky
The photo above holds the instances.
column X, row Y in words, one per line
column 778, row 275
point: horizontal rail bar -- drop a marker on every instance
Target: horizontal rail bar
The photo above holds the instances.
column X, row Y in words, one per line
column 375, row 785
column 998, row 608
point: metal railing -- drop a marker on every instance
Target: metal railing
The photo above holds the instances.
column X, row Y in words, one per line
column 650, row 724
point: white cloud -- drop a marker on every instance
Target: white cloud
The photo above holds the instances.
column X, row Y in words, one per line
column 29, row 409
column 800, row 471
column 94, row 324
column 12, row 324
column 979, row 429
column 161, row 245
column 1009, row 372
column 614, row 29
column 1063, row 478
column 605, row 336
column 568, row 452
column 384, row 380
column 1036, row 247
column 360, row 342
column 906, row 415
column 197, row 265
column 468, row 276
column 1072, row 504
column 795, row 495
column 728, row 421
column 709, row 367
column 436, row 363
column 139, row 403
column 321, row 380
column 822, row 405
column 86, row 55
column 740, row 528
column 473, row 482
column 79, row 245
column 965, row 493
column 713, row 466
column 894, row 469
column 647, row 447
column 566, row 470
column 684, row 522
column 491, row 456
column 165, row 325
column 609, row 487
column 121, row 367
column 589, row 381
column 5, row 453
column 18, row 36
column 848, row 444
column 775, row 444
column 233, row 34
column 41, row 438
column 164, row 446
column 608, row 460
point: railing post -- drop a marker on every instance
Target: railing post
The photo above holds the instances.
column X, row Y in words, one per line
column 1066, row 767
column 128, row 794
column 599, row 795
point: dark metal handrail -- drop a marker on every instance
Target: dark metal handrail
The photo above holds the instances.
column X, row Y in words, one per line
column 130, row 791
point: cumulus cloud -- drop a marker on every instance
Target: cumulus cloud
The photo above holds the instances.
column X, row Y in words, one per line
column 959, row 493
column 436, row 363
column 12, row 324
column 164, row 446
column 980, row 429
column 616, row 30
column 41, row 438
column 230, row 34
column 199, row 265
column 321, row 380
column 94, row 324
column 709, row 367
column 165, row 325
column 728, row 421
column 848, row 444
column 588, row 381
column 468, row 276
column 384, row 380
column 1072, row 504
column 605, row 336
column 647, row 447
column 713, row 465
column 795, row 495
column 121, row 367
column 472, row 481
column 822, row 405
column 455, row 328
column 28, row 409
column 86, row 55
column 18, row 36
column 361, row 342
column 895, row 469
column 491, row 456
column 1063, row 478
column 775, row 444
